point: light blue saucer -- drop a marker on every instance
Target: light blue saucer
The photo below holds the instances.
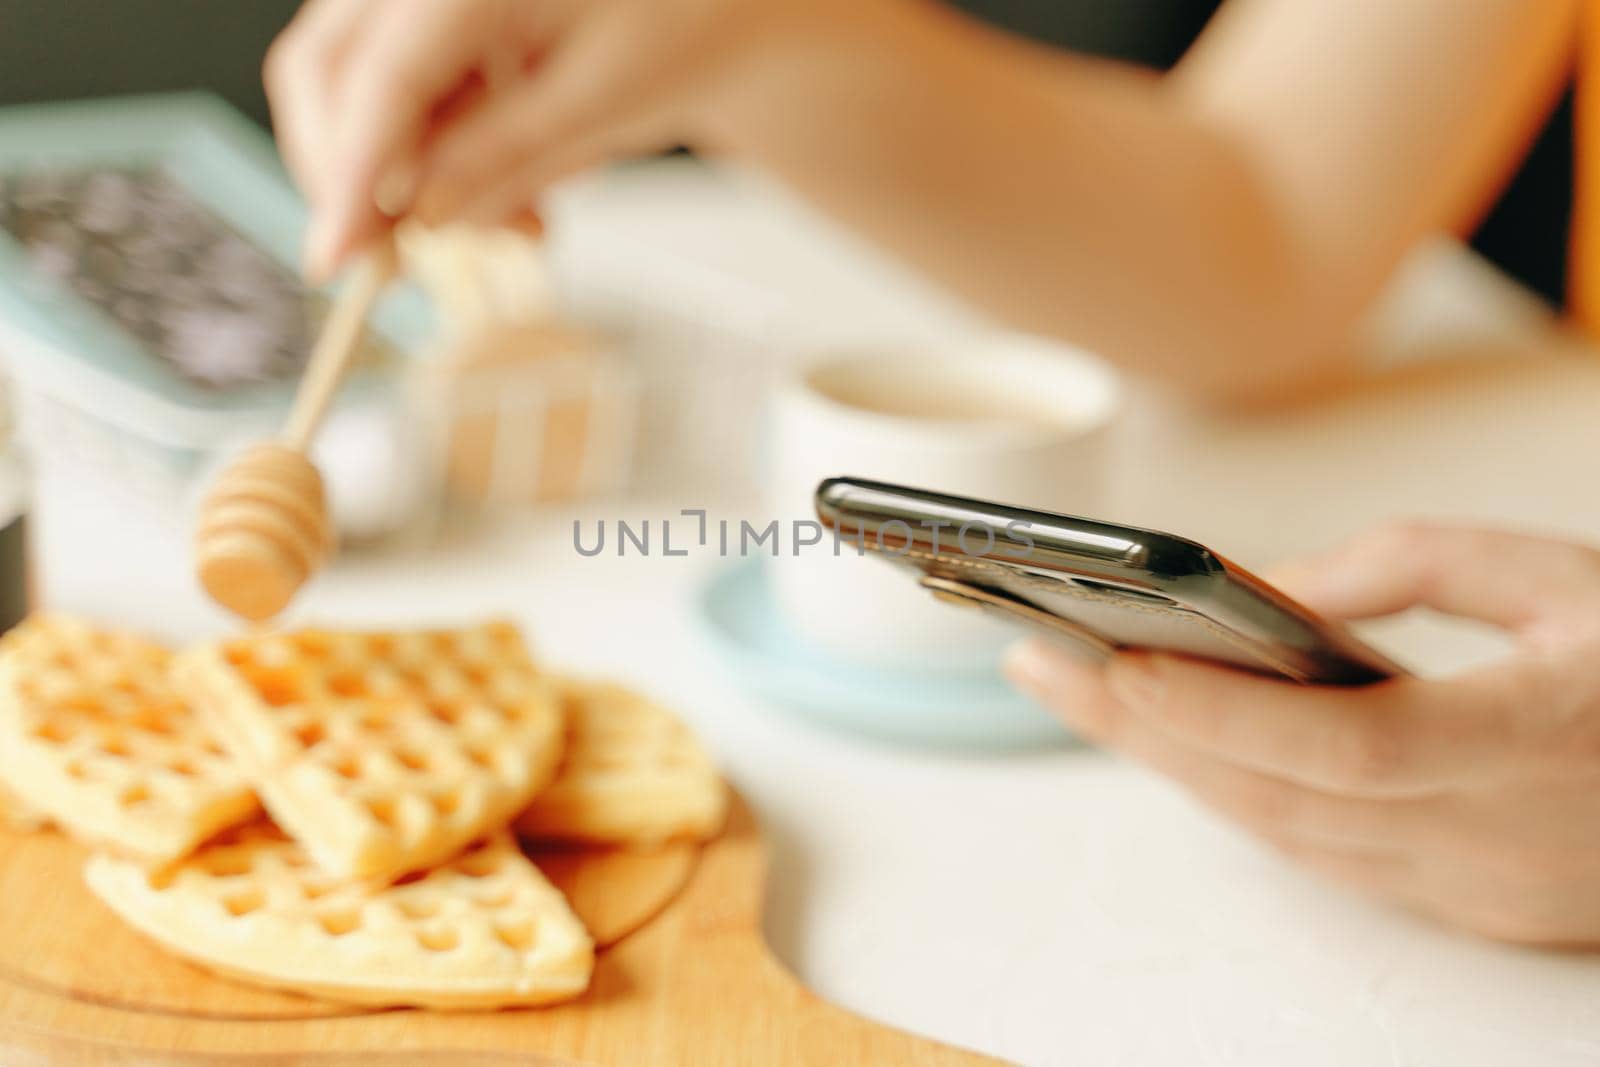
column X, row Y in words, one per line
column 972, row 710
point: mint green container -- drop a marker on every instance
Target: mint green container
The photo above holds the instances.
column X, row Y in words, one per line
column 93, row 395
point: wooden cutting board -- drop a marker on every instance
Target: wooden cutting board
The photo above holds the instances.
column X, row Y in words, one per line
column 682, row 977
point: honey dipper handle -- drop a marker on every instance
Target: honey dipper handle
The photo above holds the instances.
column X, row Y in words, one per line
column 341, row 333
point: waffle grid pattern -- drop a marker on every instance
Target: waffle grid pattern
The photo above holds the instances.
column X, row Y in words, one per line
column 383, row 752
column 632, row 773
column 95, row 738
column 485, row 929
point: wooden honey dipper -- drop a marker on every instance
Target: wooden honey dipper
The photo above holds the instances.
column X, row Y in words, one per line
column 264, row 526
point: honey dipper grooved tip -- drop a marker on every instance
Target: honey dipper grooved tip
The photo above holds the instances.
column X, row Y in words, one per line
column 264, row 528
column 262, row 531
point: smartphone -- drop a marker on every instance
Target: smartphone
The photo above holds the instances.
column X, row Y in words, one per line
column 1097, row 585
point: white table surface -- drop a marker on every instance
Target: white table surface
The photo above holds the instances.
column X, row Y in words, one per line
column 1058, row 907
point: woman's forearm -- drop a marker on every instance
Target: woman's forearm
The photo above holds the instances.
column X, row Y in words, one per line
column 1221, row 226
column 1065, row 195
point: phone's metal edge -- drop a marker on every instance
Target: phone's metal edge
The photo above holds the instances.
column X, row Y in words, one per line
column 1129, row 556
column 1090, row 542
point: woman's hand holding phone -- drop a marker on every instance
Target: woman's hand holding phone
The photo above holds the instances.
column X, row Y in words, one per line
column 1474, row 798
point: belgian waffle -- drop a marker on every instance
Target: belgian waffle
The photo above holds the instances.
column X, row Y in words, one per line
column 382, row 753
column 94, row 737
column 632, row 773
column 483, row 930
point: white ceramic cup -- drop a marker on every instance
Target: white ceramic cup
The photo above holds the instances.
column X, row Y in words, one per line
column 1002, row 417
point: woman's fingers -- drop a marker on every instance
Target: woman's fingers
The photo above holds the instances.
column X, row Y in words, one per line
column 301, row 75
column 458, row 107
column 477, row 153
column 1066, row 683
column 1269, row 806
column 499, row 146
column 1404, row 849
column 402, row 73
column 582, row 105
column 1510, row 580
column 1406, row 736
column 515, row 192
column 1499, row 850
column 1398, row 738
column 351, row 84
column 396, row 74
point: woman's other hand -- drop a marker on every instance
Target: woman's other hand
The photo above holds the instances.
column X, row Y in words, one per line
column 1475, row 798
column 466, row 109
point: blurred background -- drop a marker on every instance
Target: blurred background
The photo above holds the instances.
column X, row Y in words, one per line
column 635, row 365
column 72, row 49
column 151, row 319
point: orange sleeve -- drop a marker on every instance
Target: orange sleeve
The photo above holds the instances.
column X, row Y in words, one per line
column 1583, row 277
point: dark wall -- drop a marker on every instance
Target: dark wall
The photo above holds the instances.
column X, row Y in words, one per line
column 1152, row 32
column 58, row 49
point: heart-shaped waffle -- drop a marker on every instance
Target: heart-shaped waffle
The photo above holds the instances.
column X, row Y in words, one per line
column 382, row 753
column 94, row 737
column 632, row 773
column 484, row 930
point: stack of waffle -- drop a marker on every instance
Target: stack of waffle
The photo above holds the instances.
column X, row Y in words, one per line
column 337, row 813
